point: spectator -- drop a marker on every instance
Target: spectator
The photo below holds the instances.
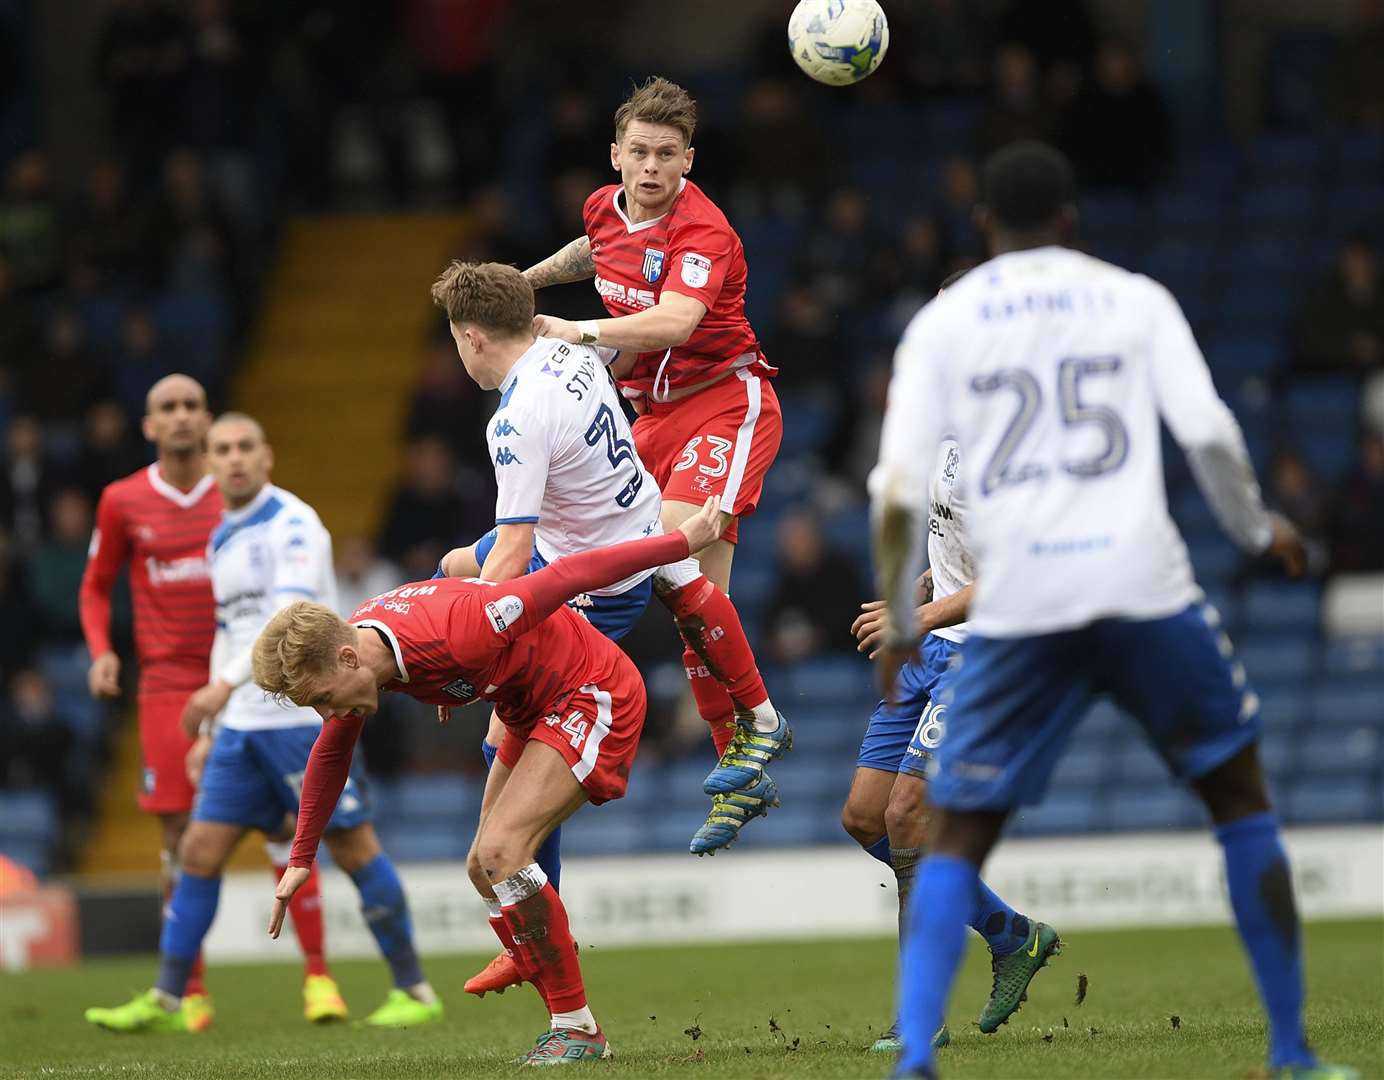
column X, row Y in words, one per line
column 110, row 449
column 189, row 241
column 1357, row 520
column 448, row 405
column 836, row 258
column 817, row 597
column 141, row 60
column 17, row 640
column 1341, row 326
column 59, row 401
column 428, row 515
column 361, row 574
column 38, row 749
column 142, row 361
column 952, row 53
column 1117, row 131
column 25, row 483
column 105, row 225
column 1016, row 109
column 1298, row 494
column 18, row 334
column 779, row 159
column 1358, row 89
column 30, row 225
column 56, row 565
column 958, row 190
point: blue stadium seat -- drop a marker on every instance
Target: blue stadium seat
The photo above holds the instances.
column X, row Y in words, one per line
column 610, row 832
column 1194, row 213
column 1360, row 655
column 1256, row 256
column 1214, row 560
column 424, row 841
column 1280, row 158
column 1111, row 215
column 1349, row 209
column 848, row 530
column 1340, row 704
column 1353, row 751
column 27, row 816
column 1251, row 306
column 1106, row 721
column 1137, row 763
column 752, row 586
column 846, row 679
column 1281, row 709
column 1313, row 801
column 1085, row 765
column 1060, row 812
column 793, row 824
column 1233, row 359
column 833, row 731
column 1278, row 750
column 813, row 418
column 1276, row 663
column 1359, row 156
column 950, row 125
column 448, row 796
column 1282, row 605
column 1280, row 208
column 1152, row 807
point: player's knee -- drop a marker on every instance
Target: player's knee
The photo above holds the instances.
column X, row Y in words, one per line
column 353, row 849
column 907, row 810
column 198, row 853
column 173, row 827
column 501, row 853
column 865, row 825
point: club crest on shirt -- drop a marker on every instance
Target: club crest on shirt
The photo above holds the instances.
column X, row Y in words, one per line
column 949, row 469
column 653, row 264
column 460, row 688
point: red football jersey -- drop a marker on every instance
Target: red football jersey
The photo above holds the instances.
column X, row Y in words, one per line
column 691, row 250
column 458, row 639
column 162, row 532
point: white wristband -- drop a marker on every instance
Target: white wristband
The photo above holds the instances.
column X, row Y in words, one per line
column 590, row 332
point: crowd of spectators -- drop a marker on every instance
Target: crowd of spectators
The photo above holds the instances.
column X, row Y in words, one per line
column 221, row 116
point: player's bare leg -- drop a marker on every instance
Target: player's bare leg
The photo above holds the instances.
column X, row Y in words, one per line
column 525, row 806
column 746, row 728
column 502, row 972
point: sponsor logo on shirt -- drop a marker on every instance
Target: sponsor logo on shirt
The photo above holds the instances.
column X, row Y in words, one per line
column 174, row 571
column 504, row 429
column 504, row 612
column 653, row 264
column 460, row 688
column 506, row 456
column 949, row 470
column 696, row 270
column 613, row 290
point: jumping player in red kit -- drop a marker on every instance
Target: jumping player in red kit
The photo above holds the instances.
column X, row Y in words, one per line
column 158, row 521
column 571, row 702
column 671, row 273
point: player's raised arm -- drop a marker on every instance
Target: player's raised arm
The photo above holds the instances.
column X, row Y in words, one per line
column 571, row 262
column 666, row 325
column 108, row 552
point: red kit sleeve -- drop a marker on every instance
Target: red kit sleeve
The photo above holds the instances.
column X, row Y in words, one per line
column 109, row 550
column 699, row 256
column 329, row 767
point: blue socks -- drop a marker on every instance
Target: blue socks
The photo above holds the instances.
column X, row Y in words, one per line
column 1003, row 928
column 385, row 909
column 191, row 909
column 1261, row 894
column 880, row 850
column 549, row 856
column 943, row 903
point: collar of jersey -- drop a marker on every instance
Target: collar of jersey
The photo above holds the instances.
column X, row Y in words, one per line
column 236, row 517
column 185, row 499
column 636, row 226
column 540, row 345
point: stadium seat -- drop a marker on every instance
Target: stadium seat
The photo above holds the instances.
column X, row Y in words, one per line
column 1137, row 763
column 1313, row 801
column 1350, row 209
column 1111, row 215
column 1340, row 703
column 1354, row 751
column 607, row 833
column 1278, row 208
column 1233, row 359
column 846, row 679
column 1282, row 158
column 792, row 824
column 1252, row 306
column 1152, row 807
column 1192, row 214
column 1354, row 655
column 848, row 530
column 27, row 816
column 1282, row 605
column 1278, row 750
column 1060, row 812
column 1276, row 663
column 1107, row 721
column 1281, row 709
column 751, row 586
column 1083, row 767
column 432, row 796
column 813, row 418
column 424, row 841
column 1359, row 156
column 1214, row 560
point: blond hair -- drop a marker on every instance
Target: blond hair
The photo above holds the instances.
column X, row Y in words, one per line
column 495, row 297
column 658, row 101
column 298, row 645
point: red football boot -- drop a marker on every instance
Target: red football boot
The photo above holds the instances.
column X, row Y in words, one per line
column 499, row 975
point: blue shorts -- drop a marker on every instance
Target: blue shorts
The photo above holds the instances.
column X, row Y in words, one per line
column 1016, row 701
column 902, row 735
column 254, row 778
column 613, row 616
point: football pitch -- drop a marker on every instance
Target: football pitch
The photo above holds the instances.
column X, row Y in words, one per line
column 1159, row 1003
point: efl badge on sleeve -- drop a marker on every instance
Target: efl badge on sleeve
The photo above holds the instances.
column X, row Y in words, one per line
column 653, row 264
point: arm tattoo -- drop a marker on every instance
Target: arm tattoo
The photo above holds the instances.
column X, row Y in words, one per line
column 573, row 262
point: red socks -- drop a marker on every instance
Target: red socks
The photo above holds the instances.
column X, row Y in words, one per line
column 306, row 911
column 720, row 665
column 537, row 934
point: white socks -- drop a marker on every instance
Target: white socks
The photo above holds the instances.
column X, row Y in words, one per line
column 581, row 1020
column 423, row 992
column 765, row 717
column 519, row 886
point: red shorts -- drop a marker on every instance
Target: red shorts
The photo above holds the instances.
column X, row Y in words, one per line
column 720, row 441
column 597, row 733
column 165, row 789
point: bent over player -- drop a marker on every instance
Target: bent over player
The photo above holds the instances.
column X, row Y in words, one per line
column 157, row 521
column 269, row 549
column 671, row 273
column 1052, row 370
column 573, row 708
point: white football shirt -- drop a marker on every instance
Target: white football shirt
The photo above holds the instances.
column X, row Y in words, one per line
column 269, row 553
column 1052, row 370
column 948, row 548
column 565, row 458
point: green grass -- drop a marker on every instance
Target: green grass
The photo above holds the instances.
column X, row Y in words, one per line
column 770, row 1010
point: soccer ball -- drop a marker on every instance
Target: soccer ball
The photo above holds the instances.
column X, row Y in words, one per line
column 838, row 42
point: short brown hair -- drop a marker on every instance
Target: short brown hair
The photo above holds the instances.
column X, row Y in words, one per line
column 299, row 644
column 658, row 101
column 493, row 296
